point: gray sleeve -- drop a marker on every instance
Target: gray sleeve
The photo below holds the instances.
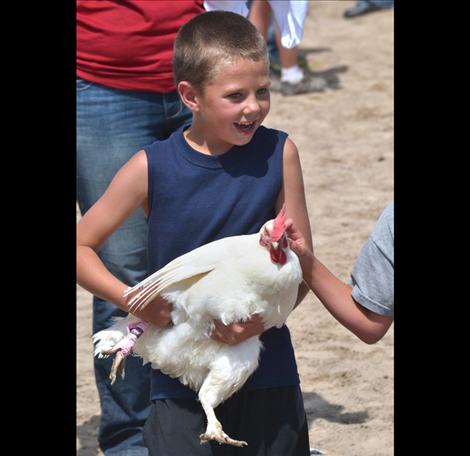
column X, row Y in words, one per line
column 372, row 277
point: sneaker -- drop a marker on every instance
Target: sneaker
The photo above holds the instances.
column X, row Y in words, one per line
column 307, row 84
column 363, row 8
column 315, row 452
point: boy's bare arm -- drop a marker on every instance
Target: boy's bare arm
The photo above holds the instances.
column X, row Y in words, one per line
column 293, row 194
column 127, row 192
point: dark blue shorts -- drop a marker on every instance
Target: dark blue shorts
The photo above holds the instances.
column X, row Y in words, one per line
column 272, row 421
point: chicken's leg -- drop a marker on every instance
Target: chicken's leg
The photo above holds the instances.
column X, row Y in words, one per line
column 123, row 348
column 118, row 366
column 214, row 429
column 228, row 373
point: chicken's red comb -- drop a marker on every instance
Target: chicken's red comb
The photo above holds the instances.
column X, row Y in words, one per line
column 278, row 227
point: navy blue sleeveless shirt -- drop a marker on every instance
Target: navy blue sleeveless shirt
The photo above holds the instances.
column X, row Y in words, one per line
column 195, row 199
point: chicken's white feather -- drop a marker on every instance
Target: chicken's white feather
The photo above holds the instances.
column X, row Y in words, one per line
column 198, row 261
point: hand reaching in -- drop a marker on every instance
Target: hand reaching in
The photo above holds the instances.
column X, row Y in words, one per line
column 297, row 242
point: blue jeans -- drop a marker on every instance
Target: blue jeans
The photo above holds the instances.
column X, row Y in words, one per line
column 112, row 125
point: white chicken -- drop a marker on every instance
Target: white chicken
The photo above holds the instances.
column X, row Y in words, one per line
column 228, row 280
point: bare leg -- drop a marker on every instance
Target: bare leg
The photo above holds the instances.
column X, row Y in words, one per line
column 293, row 79
column 287, row 56
column 260, row 16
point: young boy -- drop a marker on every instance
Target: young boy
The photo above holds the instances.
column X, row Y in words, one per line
column 222, row 176
column 366, row 305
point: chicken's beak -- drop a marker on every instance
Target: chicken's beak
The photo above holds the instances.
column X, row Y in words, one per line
column 275, row 245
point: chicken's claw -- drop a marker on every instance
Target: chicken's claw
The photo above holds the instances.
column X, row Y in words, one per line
column 221, row 437
column 118, row 366
column 123, row 349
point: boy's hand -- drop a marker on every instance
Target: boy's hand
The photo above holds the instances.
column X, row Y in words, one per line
column 235, row 333
column 156, row 312
column 297, row 242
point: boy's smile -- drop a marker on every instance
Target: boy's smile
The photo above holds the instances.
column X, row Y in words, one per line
column 231, row 107
column 247, row 128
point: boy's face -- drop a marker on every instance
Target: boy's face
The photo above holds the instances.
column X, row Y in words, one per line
column 235, row 103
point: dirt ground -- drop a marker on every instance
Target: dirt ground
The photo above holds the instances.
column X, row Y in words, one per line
column 345, row 141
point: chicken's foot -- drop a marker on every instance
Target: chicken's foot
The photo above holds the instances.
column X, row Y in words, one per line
column 123, row 348
column 215, row 432
column 118, row 366
column 214, row 429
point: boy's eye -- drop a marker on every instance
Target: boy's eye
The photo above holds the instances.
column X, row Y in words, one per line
column 235, row 96
column 263, row 91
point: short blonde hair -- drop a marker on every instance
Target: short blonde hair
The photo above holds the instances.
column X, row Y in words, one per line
column 211, row 39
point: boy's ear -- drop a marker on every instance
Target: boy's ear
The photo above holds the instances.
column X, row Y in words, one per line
column 189, row 95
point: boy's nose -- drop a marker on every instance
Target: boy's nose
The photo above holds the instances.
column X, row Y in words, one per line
column 252, row 107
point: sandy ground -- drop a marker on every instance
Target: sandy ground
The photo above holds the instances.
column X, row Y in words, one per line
column 345, row 140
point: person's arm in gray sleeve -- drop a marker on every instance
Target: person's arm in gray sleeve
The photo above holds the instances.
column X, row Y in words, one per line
column 372, row 278
column 337, row 297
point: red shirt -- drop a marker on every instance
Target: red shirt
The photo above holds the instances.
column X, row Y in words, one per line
column 129, row 44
